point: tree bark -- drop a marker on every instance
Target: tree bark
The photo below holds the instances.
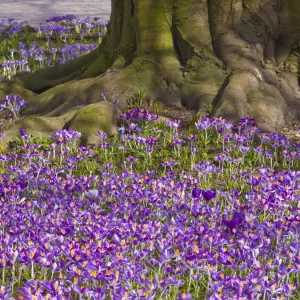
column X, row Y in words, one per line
column 241, row 56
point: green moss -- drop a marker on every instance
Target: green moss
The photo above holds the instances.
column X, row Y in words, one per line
column 102, row 63
column 92, row 118
column 154, row 32
column 291, row 12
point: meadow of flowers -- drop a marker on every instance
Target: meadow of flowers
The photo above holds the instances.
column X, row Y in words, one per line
column 156, row 212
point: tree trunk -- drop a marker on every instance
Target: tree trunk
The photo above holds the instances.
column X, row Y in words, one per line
column 242, row 56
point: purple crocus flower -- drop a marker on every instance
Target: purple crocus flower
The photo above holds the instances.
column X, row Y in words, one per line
column 255, row 181
column 236, row 220
column 236, row 192
column 184, row 296
column 196, row 193
column 22, row 132
column 208, row 195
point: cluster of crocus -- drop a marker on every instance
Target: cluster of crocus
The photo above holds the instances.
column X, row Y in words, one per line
column 40, row 51
column 64, row 136
column 57, row 19
column 145, row 235
column 138, row 113
column 13, row 103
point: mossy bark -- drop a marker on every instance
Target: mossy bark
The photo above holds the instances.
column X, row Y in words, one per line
column 242, row 56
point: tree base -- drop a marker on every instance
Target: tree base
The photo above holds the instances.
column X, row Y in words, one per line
column 239, row 58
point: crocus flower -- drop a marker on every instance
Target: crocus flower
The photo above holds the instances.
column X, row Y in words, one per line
column 208, row 195
column 236, row 220
column 184, row 296
column 22, row 132
column 196, row 193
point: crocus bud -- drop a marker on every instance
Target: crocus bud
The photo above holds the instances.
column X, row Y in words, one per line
column 196, row 193
column 208, row 195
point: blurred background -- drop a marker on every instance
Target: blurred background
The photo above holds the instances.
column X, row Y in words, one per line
column 37, row 11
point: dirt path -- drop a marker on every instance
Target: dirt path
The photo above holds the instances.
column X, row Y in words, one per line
column 37, row 11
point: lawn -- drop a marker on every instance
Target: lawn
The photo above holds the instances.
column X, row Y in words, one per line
column 159, row 211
